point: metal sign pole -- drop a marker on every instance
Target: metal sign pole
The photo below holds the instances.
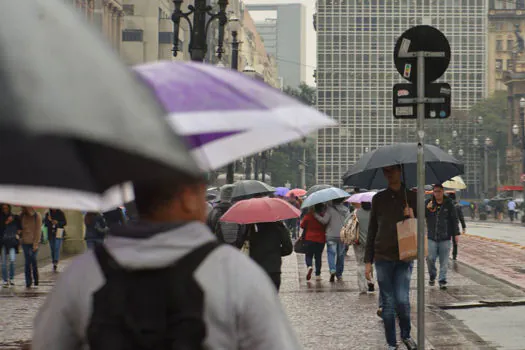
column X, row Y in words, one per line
column 420, row 201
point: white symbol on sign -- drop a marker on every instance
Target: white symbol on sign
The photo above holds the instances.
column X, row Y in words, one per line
column 444, row 91
column 404, row 111
column 432, row 114
column 402, row 93
column 403, row 48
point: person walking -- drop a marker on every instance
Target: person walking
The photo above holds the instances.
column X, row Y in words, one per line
column 461, row 219
column 393, row 275
column 363, row 218
column 9, row 240
column 333, row 220
column 269, row 241
column 96, row 229
column 315, row 238
column 55, row 221
column 30, row 234
column 511, row 206
column 442, row 227
column 166, row 266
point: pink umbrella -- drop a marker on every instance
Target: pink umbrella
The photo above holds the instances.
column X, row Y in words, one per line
column 297, row 192
column 367, row 197
column 354, row 198
column 256, row 210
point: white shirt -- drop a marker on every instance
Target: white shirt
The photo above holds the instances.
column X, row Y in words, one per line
column 512, row 205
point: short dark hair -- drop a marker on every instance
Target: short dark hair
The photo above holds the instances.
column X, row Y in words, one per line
column 366, row 206
column 437, row 186
column 149, row 196
column 452, row 195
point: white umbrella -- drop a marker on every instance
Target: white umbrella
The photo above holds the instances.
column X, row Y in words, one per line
column 456, row 183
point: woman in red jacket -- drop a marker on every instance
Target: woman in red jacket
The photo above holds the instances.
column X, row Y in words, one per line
column 315, row 236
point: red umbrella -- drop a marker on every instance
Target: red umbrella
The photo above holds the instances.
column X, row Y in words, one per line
column 297, row 192
column 256, row 210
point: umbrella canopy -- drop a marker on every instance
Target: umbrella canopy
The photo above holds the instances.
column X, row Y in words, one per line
column 281, row 191
column 316, row 188
column 367, row 172
column 296, row 192
column 361, row 197
column 212, row 194
column 455, row 183
column 74, row 118
column 355, row 198
column 226, row 115
column 248, row 188
column 322, row 196
column 256, row 210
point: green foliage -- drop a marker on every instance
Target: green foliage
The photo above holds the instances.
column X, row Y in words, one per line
column 496, row 124
column 285, row 160
column 305, row 93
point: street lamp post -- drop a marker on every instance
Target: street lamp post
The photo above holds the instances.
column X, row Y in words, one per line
column 477, row 185
column 522, row 124
column 199, row 27
column 488, row 143
column 234, row 22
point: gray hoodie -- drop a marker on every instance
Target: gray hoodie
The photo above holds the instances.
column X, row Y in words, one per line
column 333, row 219
column 242, row 309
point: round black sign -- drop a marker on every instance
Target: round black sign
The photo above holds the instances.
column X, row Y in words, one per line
column 422, row 38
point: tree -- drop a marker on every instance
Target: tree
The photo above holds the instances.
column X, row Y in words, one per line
column 305, row 93
column 285, row 160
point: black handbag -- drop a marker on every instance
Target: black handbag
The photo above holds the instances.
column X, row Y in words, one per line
column 301, row 245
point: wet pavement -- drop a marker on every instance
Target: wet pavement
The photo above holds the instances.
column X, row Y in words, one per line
column 19, row 306
column 334, row 316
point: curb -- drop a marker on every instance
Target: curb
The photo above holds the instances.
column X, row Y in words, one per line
column 493, row 240
column 486, row 274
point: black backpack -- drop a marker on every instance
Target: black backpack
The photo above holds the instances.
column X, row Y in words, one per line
column 150, row 309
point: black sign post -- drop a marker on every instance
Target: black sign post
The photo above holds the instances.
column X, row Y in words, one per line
column 421, row 55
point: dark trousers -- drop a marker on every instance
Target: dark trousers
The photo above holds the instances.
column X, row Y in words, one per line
column 315, row 250
column 454, row 249
column 31, row 267
column 276, row 279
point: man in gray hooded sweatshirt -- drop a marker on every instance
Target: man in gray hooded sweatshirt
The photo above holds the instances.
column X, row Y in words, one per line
column 241, row 309
column 334, row 219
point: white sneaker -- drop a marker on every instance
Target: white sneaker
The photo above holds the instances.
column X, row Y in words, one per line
column 318, row 278
column 5, row 284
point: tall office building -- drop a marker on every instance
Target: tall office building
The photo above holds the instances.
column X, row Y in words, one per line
column 355, row 71
column 284, row 36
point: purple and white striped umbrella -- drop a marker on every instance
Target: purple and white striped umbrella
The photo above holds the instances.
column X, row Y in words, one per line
column 226, row 115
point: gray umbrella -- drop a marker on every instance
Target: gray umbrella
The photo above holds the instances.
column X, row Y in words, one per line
column 367, row 172
column 250, row 188
column 72, row 115
column 316, row 188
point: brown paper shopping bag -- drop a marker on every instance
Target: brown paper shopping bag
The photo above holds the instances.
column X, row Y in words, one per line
column 407, row 239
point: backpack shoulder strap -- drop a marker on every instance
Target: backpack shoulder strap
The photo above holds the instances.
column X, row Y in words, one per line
column 107, row 263
column 189, row 263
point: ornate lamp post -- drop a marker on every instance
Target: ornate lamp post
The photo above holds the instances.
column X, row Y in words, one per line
column 522, row 124
column 199, row 27
column 475, row 142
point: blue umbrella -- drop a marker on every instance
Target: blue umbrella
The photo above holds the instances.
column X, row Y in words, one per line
column 281, row 191
column 323, row 196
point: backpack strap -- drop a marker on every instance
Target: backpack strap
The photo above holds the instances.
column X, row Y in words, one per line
column 107, row 263
column 191, row 261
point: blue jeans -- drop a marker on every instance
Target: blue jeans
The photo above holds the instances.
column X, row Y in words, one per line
column 336, row 251
column 11, row 254
column 439, row 250
column 31, row 267
column 315, row 249
column 393, row 278
column 54, row 246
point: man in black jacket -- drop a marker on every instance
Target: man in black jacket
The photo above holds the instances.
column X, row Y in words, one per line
column 269, row 241
column 442, row 226
column 461, row 219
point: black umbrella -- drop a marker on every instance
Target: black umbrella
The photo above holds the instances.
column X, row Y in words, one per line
column 316, row 188
column 250, row 188
column 367, row 172
column 72, row 116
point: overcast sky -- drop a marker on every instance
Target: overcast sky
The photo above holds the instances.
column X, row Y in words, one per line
column 311, row 39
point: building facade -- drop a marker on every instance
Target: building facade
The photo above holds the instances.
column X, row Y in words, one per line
column 355, row 71
column 285, row 38
column 105, row 15
column 506, row 18
column 147, row 33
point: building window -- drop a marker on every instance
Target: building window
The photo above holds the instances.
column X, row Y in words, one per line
column 166, row 37
column 510, row 45
column 499, row 45
column 499, row 65
column 132, row 35
column 129, row 10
